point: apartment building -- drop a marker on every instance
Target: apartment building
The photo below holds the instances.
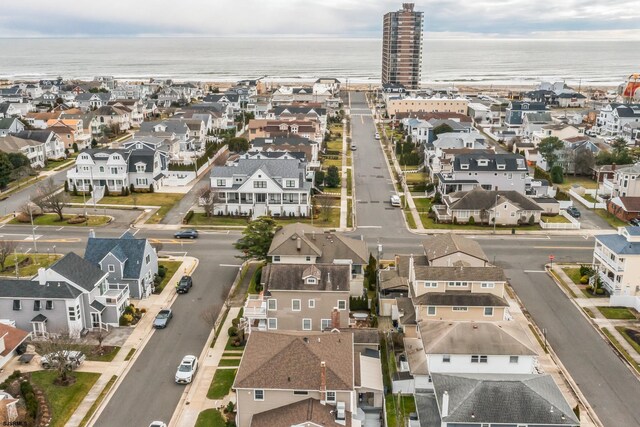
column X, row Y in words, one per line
column 402, row 47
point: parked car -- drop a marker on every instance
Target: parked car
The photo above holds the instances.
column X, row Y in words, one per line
column 162, row 318
column 395, row 200
column 71, row 358
column 157, row 424
column 353, row 147
column 185, row 283
column 635, row 222
column 573, row 211
column 187, row 369
column 186, row 234
column 377, row 135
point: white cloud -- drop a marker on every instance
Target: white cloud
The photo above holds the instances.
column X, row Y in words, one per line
column 314, row 17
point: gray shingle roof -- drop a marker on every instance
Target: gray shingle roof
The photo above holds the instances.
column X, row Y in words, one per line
column 332, row 277
column 98, row 306
column 503, row 399
column 32, row 289
column 446, row 244
column 126, row 246
column 281, row 140
column 489, row 274
column 480, row 199
column 618, row 244
column 460, row 299
column 145, row 156
column 35, row 135
column 79, row 271
column 511, row 162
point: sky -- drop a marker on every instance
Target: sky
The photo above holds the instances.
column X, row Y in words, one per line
column 583, row 19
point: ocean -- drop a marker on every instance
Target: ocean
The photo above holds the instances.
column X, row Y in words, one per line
column 477, row 62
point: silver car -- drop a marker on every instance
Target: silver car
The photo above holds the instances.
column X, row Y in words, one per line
column 187, row 369
column 162, row 318
column 71, row 358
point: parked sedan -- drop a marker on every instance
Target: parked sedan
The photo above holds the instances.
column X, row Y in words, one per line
column 185, row 283
column 162, row 318
column 186, row 234
column 157, row 424
column 635, row 222
column 377, row 135
column 187, row 369
column 573, row 211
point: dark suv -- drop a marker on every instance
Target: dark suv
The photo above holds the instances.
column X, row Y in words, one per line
column 635, row 222
column 573, row 211
column 184, row 285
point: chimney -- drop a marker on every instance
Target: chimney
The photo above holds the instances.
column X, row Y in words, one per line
column 42, row 276
column 299, row 243
column 323, row 382
column 335, row 319
column 92, row 234
column 444, row 410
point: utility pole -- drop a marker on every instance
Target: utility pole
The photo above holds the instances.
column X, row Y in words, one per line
column 33, row 230
column 495, row 212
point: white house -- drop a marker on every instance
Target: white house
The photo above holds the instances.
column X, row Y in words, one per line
column 624, row 183
column 613, row 117
column 33, row 150
column 276, row 187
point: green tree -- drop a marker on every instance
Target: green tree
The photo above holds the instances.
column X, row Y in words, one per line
column 5, row 170
column 319, row 178
column 443, row 128
column 238, row 145
column 256, row 240
column 333, row 177
column 18, row 160
column 557, row 176
column 75, row 147
column 549, row 148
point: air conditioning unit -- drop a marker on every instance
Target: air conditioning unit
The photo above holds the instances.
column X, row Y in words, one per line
column 340, row 411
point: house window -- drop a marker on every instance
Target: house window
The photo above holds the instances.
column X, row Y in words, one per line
column 431, row 310
column 513, row 359
column 325, row 324
column 295, row 304
column 308, row 259
column 73, row 314
column 430, row 284
column 300, row 392
column 312, row 303
column 258, row 394
column 37, row 305
column 276, row 258
column 342, row 304
column 114, row 171
column 306, row 324
column 17, row 305
column 141, row 181
column 101, row 169
column 111, row 268
column 148, row 259
column 331, row 397
column 272, row 304
column 48, row 305
column 488, row 311
column 221, row 182
column 459, row 308
column 487, row 285
column 458, row 284
column 446, row 358
column 478, row 359
column 140, row 168
column 290, row 183
column 259, row 184
column 311, row 281
column 272, row 323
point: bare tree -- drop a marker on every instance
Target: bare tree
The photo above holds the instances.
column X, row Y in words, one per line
column 56, row 355
column 210, row 315
column 6, row 249
column 50, row 198
column 326, row 205
column 157, row 246
column 100, row 335
column 209, row 199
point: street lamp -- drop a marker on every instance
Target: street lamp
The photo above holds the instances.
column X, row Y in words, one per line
column 495, row 211
column 33, row 230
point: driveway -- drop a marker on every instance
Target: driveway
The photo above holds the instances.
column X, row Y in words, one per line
column 588, row 219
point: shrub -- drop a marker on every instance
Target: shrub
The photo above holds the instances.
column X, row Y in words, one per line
column 106, row 191
column 429, row 188
column 129, row 309
column 557, row 175
column 75, row 190
column 455, row 220
column 584, row 280
column 586, row 270
column 26, row 389
column 187, row 217
column 79, row 219
column 437, row 199
column 126, row 319
column 472, row 220
column 123, row 191
column 143, row 310
column 235, row 322
column 66, row 186
column 132, row 189
column 75, row 147
column 162, row 271
column 157, row 280
column 232, row 331
column 532, row 220
column 151, row 188
column 589, row 288
column 599, row 291
column 229, row 408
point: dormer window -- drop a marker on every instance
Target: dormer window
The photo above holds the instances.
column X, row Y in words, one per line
column 140, row 168
column 483, row 162
column 501, row 166
column 464, row 166
column 311, row 281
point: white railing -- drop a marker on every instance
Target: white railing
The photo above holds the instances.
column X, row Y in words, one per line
column 607, row 260
column 585, row 202
column 573, row 223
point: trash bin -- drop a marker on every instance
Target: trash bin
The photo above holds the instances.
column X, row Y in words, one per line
column 513, row 231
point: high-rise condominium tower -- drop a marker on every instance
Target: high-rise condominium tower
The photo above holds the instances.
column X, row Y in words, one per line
column 402, row 47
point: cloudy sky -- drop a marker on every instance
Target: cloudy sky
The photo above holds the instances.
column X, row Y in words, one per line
column 352, row 18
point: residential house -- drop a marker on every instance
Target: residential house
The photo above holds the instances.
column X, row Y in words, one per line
column 326, row 84
column 286, row 95
column 631, row 133
column 310, row 112
column 613, row 117
column 70, row 131
column 310, row 147
column 625, row 182
column 505, row 208
column 10, row 339
column 624, row 208
column 12, row 94
column 127, row 260
column 169, row 96
column 495, row 171
column 273, row 128
column 114, row 169
column 90, row 123
column 305, row 244
column 231, row 100
column 114, row 116
column 423, row 131
column 8, row 109
column 434, row 152
column 470, row 399
column 135, row 107
column 436, row 103
column 89, row 101
column 53, row 146
column 571, row 99
column 548, row 97
column 33, row 150
column 616, row 258
column 532, row 123
column 262, row 187
column 71, row 296
column 307, row 378
column 39, row 120
column 573, row 148
column 130, row 91
column 256, row 155
column 516, row 111
column 560, row 131
column 10, row 125
column 300, row 297
column 446, row 250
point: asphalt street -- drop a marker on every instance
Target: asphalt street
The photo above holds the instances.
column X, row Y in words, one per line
column 16, row 200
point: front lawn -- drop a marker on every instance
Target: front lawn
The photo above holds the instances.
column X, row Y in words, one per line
column 28, row 264
column 573, row 273
column 616, row 313
column 621, row 349
column 170, row 269
column 229, row 362
column 583, row 181
column 558, row 219
column 210, row 418
column 632, row 336
column 613, row 221
column 199, row 218
column 221, row 383
column 165, row 200
column 63, row 401
column 53, row 219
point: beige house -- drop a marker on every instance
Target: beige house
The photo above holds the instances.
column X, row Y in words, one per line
column 446, row 250
column 300, row 297
column 307, row 379
column 435, row 104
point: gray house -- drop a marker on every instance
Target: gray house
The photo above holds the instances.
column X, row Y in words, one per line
column 126, row 261
column 72, row 296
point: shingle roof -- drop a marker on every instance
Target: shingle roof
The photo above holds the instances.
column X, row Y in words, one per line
column 12, row 338
column 460, row 299
column 292, row 361
column 124, row 248
column 488, row 274
column 98, row 306
column 629, row 204
column 273, row 168
column 13, row 144
column 32, row 289
column 407, row 310
column 281, row 140
column 446, row 244
column 490, row 338
column 327, row 246
column 618, row 244
column 79, row 271
column 503, row 399
column 289, row 277
column 299, row 413
column 145, row 156
column 481, row 199
column 35, row 135
column 511, row 162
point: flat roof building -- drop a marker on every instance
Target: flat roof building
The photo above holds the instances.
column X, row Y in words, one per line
column 402, row 47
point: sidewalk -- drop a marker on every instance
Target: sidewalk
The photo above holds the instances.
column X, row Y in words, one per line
column 598, row 321
column 344, row 210
column 137, row 340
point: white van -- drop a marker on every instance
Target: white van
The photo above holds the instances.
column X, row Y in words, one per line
column 395, row 200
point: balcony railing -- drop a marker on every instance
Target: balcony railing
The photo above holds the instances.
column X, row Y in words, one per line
column 255, row 307
column 606, row 259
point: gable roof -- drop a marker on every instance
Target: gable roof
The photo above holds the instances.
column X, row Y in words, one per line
column 126, row 248
column 13, row 144
column 331, row 277
column 476, row 274
column 307, row 412
column 629, row 204
column 314, row 241
column 460, row 299
column 22, row 288
column 79, row 271
column 510, row 162
column 13, row 337
column 35, row 135
column 292, row 360
column 503, row 399
column 481, row 199
column 447, row 244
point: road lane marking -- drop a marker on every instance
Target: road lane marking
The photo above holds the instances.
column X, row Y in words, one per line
column 2, row 226
column 535, row 271
column 565, row 247
column 60, row 229
column 231, row 265
column 369, row 226
column 27, row 251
